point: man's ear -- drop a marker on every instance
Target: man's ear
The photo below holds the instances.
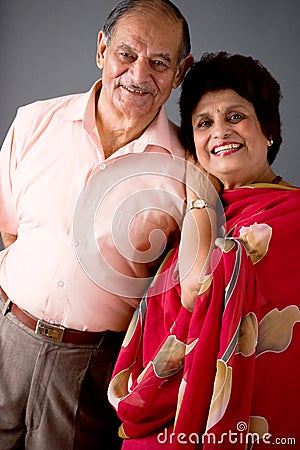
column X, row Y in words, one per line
column 101, row 47
column 182, row 69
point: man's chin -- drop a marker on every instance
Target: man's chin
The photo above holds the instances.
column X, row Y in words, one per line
column 138, row 109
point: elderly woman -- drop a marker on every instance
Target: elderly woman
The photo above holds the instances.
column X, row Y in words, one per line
column 212, row 356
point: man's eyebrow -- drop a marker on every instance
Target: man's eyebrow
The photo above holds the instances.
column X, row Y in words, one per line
column 124, row 46
column 165, row 56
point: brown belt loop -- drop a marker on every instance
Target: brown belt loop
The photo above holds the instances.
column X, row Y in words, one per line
column 54, row 333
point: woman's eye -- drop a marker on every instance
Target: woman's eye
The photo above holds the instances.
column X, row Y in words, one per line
column 204, row 124
column 235, row 118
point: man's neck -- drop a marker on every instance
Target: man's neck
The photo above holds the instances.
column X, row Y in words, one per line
column 115, row 130
column 114, row 135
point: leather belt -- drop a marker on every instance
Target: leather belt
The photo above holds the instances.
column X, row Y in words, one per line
column 54, row 333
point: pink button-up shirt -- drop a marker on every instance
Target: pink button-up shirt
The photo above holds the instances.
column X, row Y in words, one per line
column 87, row 226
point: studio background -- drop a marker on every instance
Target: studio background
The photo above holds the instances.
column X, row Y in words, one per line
column 48, row 49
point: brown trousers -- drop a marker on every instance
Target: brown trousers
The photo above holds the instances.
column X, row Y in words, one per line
column 54, row 396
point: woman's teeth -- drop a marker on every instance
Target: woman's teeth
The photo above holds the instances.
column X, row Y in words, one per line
column 225, row 148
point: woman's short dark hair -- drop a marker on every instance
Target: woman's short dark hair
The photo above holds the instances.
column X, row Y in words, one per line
column 168, row 8
column 243, row 74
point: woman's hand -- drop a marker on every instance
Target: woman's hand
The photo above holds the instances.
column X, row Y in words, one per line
column 198, row 232
column 200, row 183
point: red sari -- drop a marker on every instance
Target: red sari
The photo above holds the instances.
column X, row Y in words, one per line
column 227, row 374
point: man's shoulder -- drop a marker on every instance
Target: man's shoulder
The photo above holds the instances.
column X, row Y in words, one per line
column 42, row 107
column 34, row 118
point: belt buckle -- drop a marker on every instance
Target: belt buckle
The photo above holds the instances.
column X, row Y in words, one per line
column 52, row 332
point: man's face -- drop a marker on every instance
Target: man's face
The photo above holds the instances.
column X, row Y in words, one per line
column 140, row 65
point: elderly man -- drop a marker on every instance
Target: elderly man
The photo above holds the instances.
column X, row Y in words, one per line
column 61, row 328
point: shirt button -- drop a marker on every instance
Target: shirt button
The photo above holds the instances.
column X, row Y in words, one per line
column 60, row 283
column 76, row 243
column 89, row 203
column 102, row 166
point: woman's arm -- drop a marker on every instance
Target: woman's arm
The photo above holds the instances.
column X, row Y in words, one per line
column 199, row 232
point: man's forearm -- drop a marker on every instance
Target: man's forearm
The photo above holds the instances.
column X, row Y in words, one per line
column 8, row 238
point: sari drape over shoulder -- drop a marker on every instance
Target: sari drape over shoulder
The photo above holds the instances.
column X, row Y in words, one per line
column 228, row 373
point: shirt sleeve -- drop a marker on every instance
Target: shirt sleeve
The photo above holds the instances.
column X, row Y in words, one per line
column 8, row 213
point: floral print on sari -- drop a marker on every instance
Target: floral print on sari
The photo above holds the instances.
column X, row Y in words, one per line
column 231, row 365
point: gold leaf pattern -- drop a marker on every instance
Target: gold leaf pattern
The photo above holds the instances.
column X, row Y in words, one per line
column 179, row 398
column 122, row 433
column 248, row 335
column 170, row 358
column 225, row 244
column 276, row 329
column 221, row 394
column 118, row 387
column 258, row 426
column 191, row 345
column 131, row 328
column 205, row 284
column 256, row 239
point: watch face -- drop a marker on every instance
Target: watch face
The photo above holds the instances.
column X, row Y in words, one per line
column 198, row 203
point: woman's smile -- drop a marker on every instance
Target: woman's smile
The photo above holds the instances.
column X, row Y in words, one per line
column 226, row 149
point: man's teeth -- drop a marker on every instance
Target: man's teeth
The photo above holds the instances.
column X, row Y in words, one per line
column 133, row 90
column 226, row 148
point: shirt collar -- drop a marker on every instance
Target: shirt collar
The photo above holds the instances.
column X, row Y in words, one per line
column 158, row 132
column 82, row 107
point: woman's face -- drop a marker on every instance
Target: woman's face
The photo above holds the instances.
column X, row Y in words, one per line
column 229, row 141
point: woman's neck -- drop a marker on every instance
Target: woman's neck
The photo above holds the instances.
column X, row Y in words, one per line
column 233, row 182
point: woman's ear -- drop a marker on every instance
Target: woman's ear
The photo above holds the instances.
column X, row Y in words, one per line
column 182, row 69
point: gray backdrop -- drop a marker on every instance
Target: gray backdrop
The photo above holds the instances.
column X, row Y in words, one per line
column 48, row 49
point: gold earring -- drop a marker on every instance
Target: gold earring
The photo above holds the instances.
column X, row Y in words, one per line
column 270, row 142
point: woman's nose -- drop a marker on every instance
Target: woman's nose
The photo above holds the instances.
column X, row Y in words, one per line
column 221, row 129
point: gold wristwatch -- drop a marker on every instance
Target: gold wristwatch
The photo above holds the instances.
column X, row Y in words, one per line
column 199, row 203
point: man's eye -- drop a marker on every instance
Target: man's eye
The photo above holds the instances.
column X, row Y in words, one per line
column 159, row 65
column 126, row 55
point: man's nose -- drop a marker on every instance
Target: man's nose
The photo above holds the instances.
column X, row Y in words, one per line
column 140, row 70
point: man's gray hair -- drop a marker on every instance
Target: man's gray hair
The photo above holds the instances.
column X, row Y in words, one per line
column 164, row 6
